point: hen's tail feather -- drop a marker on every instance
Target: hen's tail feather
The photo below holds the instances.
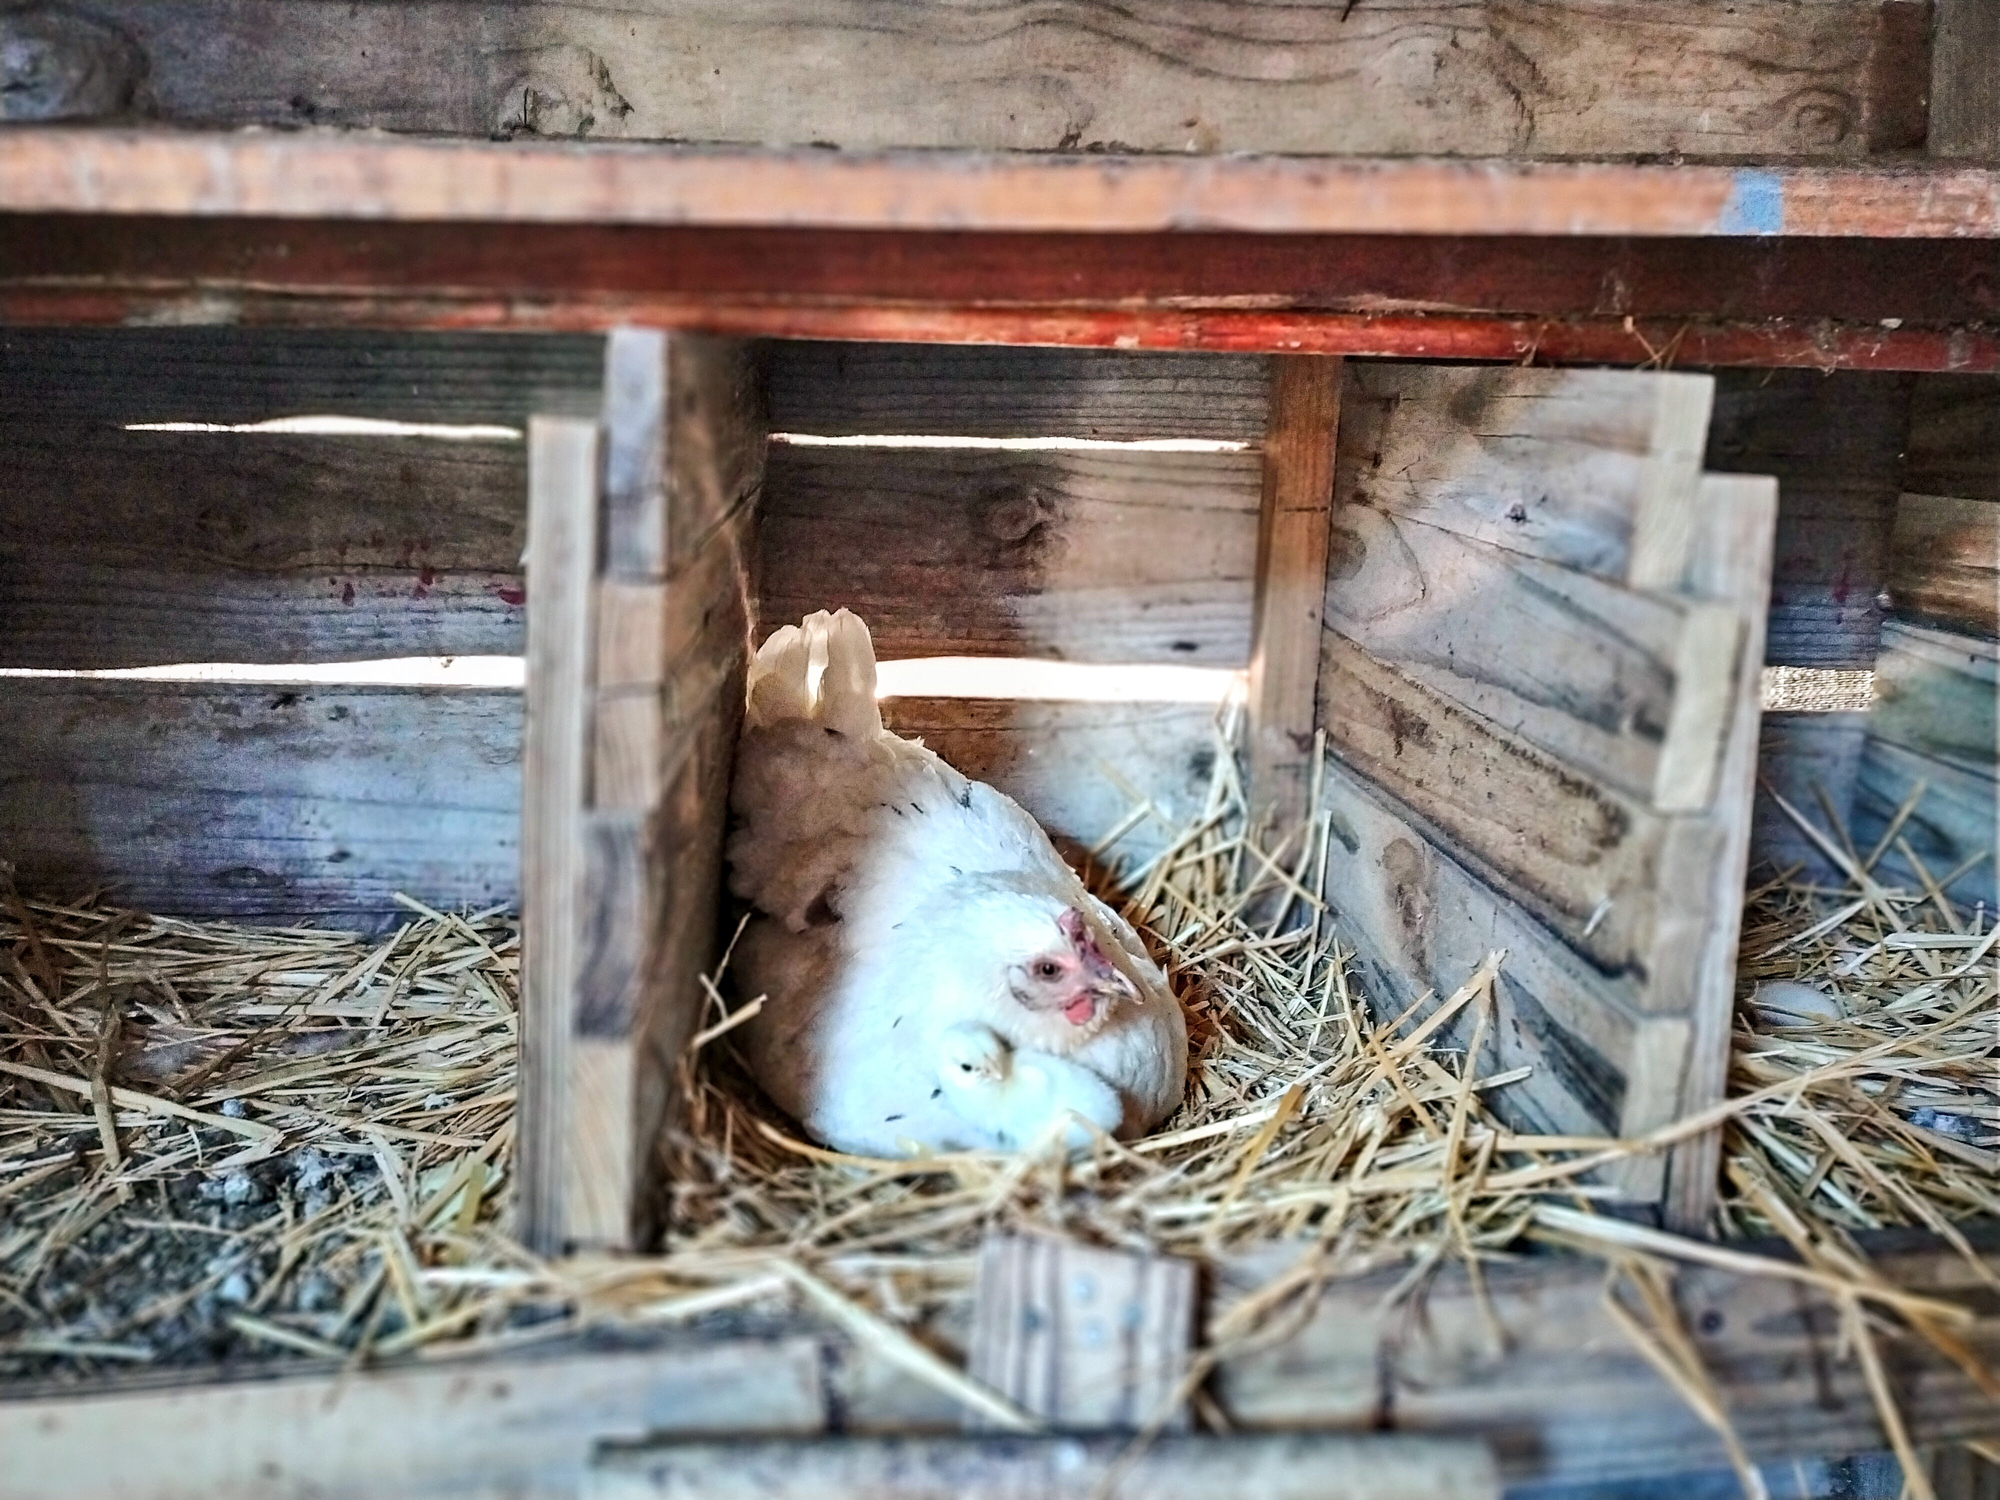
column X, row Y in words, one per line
column 821, row 670
column 847, row 690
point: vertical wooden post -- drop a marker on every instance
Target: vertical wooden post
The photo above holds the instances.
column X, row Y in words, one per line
column 638, row 610
column 1291, row 581
column 1965, row 80
column 562, row 549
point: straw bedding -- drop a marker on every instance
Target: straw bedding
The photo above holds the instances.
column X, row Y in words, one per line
column 219, row 1142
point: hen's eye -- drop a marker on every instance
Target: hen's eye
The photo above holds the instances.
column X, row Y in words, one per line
column 1047, row 968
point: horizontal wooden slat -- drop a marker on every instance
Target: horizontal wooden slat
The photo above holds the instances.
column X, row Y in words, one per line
column 837, row 390
column 1420, row 920
column 1797, row 752
column 1953, row 823
column 225, row 375
column 1835, row 444
column 1563, row 1393
column 1094, row 556
column 1575, row 853
column 1945, row 562
column 1597, row 688
column 1954, row 449
column 1292, row 1466
column 523, row 1426
column 262, row 803
column 1934, row 695
column 134, row 549
column 1079, row 768
column 1760, row 78
column 1573, row 467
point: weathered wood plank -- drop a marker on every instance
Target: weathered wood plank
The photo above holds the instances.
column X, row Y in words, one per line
column 1965, row 81
column 523, row 1426
column 1798, row 753
column 135, row 549
column 1570, row 466
column 844, row 390
column 1293, row 534
column 1096, row 556
column 1575, row 853
column 1952, row 446
column 1286, row 1467
column 1597, row 688
column 1421, row 920
column 1945, row 562
column 1934, row 695
column 645, row 699
column 262, row 803
column 1084, row 1338
column 1832, row 78
column 1079, row 768
column 1565, row 1394
column 232, row 375
column 1835, row 444
column 1954, row 822
column 1706, row 853
column 561, row 1186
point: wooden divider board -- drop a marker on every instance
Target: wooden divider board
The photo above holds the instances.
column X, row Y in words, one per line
column 1537, row 682
column 639, row 571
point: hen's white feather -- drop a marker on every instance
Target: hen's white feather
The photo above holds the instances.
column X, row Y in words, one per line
column 891, row 899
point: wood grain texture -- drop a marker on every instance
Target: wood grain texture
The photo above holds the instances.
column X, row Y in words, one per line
column 1280, row 1467
column 1799, row 752
column 1706, row 853
column 1952, row 828
column 1421, row 920
column 1553, row 464
column 135, row 549
column 1829, row 79
column 523, row 1425
column 1565, row 1393
column 262, row 803
column 1965, row 81
column 1293, row 534
column 1573, row 852
column 1079, row 768
column 1597, row 686
column 1835, row 444
column 113, row 376
column 1934, row 695
column 1945, row 562
column 1952, row 446
column 1094, row 556
column 1086, row 1339
column 557, row 1188
column 840, row 390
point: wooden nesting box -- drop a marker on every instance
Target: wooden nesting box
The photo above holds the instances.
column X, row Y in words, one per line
column 1519, row 618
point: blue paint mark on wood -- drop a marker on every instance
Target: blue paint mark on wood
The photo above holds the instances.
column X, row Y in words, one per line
column 1755, row 205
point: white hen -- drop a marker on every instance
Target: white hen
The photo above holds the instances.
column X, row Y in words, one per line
column 893, row 899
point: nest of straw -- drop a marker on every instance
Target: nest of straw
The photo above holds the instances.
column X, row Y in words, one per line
column 365, row 1092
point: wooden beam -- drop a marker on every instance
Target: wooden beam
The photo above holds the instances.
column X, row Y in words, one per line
column 326, row 175
column 1756, row 79
column 1174, row 1468
column 1292, row 537
column 522, row 1425
column 1944, row 563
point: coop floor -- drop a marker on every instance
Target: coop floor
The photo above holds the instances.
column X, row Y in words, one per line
column 221, row 1145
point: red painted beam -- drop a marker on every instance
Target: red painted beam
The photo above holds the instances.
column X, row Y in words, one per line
column 1917, row 305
